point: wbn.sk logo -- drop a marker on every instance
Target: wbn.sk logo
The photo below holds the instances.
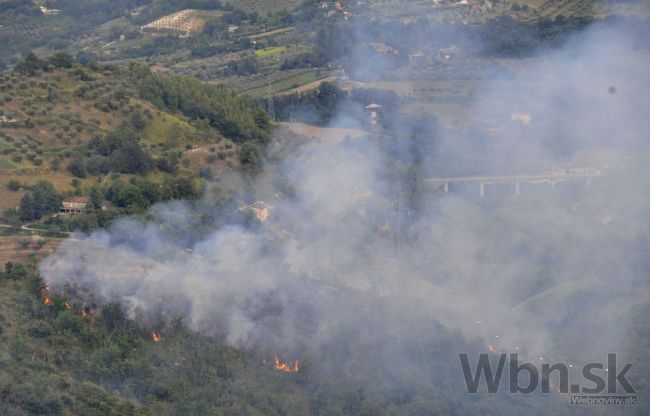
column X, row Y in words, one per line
column 610, row 379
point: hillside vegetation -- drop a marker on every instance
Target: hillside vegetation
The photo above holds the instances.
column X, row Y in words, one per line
column 123, row 135
column 269, row 47
column 82, row 360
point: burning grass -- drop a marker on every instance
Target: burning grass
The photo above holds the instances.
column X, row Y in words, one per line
column 286, row 367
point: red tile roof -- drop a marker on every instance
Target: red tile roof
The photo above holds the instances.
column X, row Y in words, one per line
column 76, row 199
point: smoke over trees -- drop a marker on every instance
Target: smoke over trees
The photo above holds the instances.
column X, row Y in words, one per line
column 381, row 284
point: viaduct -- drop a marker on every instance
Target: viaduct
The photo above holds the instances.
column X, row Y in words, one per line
column 585, row 176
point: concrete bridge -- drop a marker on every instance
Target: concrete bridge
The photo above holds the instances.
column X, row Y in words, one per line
column 584, row 175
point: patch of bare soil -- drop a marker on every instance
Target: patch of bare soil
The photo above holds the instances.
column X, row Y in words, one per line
column 11, row 248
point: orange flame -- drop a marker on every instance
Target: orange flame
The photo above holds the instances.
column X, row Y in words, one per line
column 490, row 348
column 45, row 293
column 280, row 366
column 67, row 305
column 155, row 336
column 84, row 314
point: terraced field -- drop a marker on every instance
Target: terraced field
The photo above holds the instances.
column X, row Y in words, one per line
column 264, row 6
column 278, row 82
column 185, row 21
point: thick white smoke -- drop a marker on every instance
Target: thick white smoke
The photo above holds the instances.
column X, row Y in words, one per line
column 343, row 258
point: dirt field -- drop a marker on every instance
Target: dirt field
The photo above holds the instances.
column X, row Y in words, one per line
column 10, row 248
column 271, row 33
column 449, row 114
column 309, row 86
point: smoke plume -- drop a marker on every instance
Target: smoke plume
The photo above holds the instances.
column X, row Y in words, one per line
column 354, row 266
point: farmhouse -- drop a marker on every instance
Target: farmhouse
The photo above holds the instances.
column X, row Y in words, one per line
column 74, row 204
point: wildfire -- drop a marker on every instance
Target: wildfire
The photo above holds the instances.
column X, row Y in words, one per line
column 67, row 305
column 155, row 336
column 84, row 314
column 45, row 293
column 490, row 348
column 280, row 366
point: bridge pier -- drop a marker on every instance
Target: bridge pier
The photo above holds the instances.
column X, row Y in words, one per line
column 517, row 187
column 481, row 189
column 446, row 187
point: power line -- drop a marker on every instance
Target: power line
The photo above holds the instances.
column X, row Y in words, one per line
column 420, row 329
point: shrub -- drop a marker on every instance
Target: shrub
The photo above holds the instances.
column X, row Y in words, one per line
column 13, row 271
column 13, row 185
column 77, row 167
column 67, row 322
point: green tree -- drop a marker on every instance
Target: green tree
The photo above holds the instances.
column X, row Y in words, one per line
column 53, row 94
column 98, row 165
column 96, row 197
column 26, row 210
column 244, row 66
column 13, row 271
column 77, row 167
column 46, row 198
column 30, row 65
column 122, row 148
column 249, row 155
column 329, row 99
column 130, row 158
column 13, row 185
column 130, row 196
column 138, row 121
column 61, row 60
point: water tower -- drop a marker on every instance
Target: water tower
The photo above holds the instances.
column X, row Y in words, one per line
column 373, row 108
